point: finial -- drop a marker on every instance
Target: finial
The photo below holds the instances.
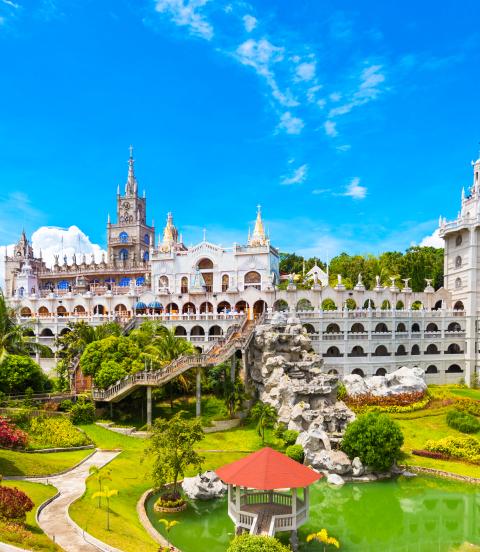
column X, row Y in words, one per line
column 108, row 219
column 131, row 151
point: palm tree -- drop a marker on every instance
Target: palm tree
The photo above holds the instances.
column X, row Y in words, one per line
column 99, row 476
column 169, row 525
column 107, row 494
column 265, row 416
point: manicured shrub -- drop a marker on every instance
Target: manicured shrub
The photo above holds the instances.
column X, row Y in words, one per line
column 17, row 373
column 82, row 412
column 295, row 452
column 468, row 405
column 375, row 438
column 289, row 436
column 14, row 504
column 256, row 543
column 66, row 405
column 54, row 432
column 11, row 436
column 430, row 454
column 463, row 448
column 462, row 421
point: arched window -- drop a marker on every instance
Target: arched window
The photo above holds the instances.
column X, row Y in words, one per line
column 454, row 327
column 381, row 350
column 224, row 307
column 241, row 306
column 46, row 332
column 380, row 372
column 357, row 351
column 63, row 284
column 184, row 284
column 458, row 283
column 381, row 328
column 146, row 256
column 417, row 305
column 206, row 307
column 140, row 281
column 438, row 305
column 215, row 331
column 431, row 327
column 120, row 309
column 180, row 331
column 304, row 305
column 124, row 282
column 259, row 307
column 454, row 349
column 99, row 309
column 172, row 308
column 61, row 311
column 329, row 305
column 252, row 279
column 415, row 350
column 386, row 305
column 309, row 328
column 432, row 369
column 79, row 309
column 123, row 254
column 399, row 305
column 197, row 331
column 458, row 306
column 205, row 264
column 458, row 240
column 280, row 305
column 369, row 304
column 458, row 261
column 357, row 328
column 401, row 351
column 333, row 328
column 332, row 352
column 43, row 311
column 401, row 327
column 65, row 331
column 189, row 308
column 432, row 349
column 21, row 292
column 163, row 282
column 415, row 328
column 146, row 239
column 225, row 282
column 358, row 372
column 25, row 312
column 123, row 237
column 454, row 369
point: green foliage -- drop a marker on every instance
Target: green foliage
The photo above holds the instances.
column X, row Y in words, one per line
column 471, row 406
column 256, row 543
column 463, row 448
column 17, row 373
column 166, row 502
column 329, row 305
column 66, row 405
column 14, row 504
column 295, row 452
column 462, row 421
column 172, row 447
column 341, row 391
column 82, row 412
column 265, row 416
column 375, row 438
column 401, row 402
column 54, row 432
column 279, row 430
column 289, row 436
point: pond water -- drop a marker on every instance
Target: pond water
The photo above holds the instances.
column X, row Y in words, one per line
column 421, row 514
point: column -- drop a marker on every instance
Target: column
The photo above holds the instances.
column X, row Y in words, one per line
column 149, row 407
column 198, row 406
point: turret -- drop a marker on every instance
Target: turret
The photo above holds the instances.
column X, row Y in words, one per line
column 258, row 236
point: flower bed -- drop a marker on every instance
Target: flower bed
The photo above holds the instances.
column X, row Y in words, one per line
column 430, row 454
column 402, row 402
column 11, row 436
column 54, row 433
column 462, row 448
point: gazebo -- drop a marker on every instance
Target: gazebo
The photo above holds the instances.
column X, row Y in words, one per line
column 263, row 496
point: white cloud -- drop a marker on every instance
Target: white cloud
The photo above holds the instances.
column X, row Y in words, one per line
column 344, row 147
column 320, row 191
column 298, row 176
column 330, row 128
column 187, row 13
column 335, row 96
column 249, row 22
column 355, row 190
column 10, row 3
column 306, row 71
column 291, row 124
column 434, row 240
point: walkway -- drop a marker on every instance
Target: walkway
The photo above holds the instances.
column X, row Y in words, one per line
column 54, row 518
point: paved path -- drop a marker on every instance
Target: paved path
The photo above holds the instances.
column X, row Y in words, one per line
column 54, row 519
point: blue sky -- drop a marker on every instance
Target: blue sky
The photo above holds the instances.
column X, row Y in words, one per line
column 352, row 124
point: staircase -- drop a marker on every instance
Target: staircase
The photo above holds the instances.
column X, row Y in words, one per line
column 237, row 337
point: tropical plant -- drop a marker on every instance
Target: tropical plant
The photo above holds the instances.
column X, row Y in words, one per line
column 289, row 437
column 14, row 504
column 58, row 431
column 256, row 543
column 265, row 416
column 172, row 447
column 234, row 396
column 18, row 373
column 107, row 494
column 375, row 438
column 100, row 476
column 323, row 537
column 169, row 525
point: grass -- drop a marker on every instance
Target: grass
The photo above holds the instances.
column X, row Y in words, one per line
column 31, row 464
column 31, row 537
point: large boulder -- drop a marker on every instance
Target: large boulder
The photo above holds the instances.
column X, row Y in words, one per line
column 357, row 467
column 355, row 385
column 403, row 380
column 204, row 486
column 333, row 461
column 335, row 479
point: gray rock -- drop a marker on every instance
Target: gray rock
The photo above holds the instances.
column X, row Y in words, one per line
column 355, row 385
column 357, row 467
column 403, row 380
column 334, row 461
column 335, row 479
column 204, row 486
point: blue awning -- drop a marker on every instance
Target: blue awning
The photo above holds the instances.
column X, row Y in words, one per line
column 155, row 305
column 140, row 305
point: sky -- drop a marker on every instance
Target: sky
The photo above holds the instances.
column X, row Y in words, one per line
column 353, row 124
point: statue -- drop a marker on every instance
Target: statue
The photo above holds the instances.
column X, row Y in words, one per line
column 359, row 281
column 56, row 260
column 92, row 259
column 64, row 259
column 339, row 279
column 377, row 281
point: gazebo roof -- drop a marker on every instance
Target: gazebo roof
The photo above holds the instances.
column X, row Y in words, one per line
column 268, row 469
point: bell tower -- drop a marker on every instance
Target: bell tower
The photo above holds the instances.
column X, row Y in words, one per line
column 130, row 238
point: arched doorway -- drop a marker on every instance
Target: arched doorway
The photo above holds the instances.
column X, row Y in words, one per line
column 224, row 307
column 25, row 312
column 99, row 309
column 309, row 328
column 241, row 306
column 252, row 279
column 79, row 310
column 304, row 305
column 180, row 331
column 172, row 308
column 61, row 311
column 215, row 331
column 381, row 372
column 206, row 307
column 259, row 307
column 280, row 305
column 197, row 332
column 205, row 267
column 43, row 311
column 189, row 308
column 121, row 310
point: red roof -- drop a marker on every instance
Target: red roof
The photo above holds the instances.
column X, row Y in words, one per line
column 268, row 469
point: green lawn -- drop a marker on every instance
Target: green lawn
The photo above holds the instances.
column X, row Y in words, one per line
column 31, row 537
column 23, row 463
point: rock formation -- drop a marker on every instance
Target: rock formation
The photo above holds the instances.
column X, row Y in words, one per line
column 204, row 486
column 403, row 380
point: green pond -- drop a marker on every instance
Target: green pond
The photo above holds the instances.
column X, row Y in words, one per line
column 421, row 514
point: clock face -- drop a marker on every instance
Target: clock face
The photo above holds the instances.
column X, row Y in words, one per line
column 126, row 205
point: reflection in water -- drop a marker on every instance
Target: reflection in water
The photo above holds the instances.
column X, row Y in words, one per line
column 422, row 514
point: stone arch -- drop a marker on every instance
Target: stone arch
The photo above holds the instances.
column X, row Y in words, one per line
column 120, row 309
column 432, row 369
column 454, row 349
column 99, row 309
column 172, row 308
column 197, row 331
column 333, row 328
column 184, row 284
column 252, row 279
column 454, row 369
column 358, row 372
column 417, row 305
column 431, row 327
column 400, row 305
column 65, row 331
column 401, row 350
column 386, row 305
column 381, row 372
column 224, row 306
column 205, row 264
column 350, row 304
column 432, row 349
column 241, row 306
column 79, row 309
column 123, row 254
column 381, row 350
column 215, row 331
column 259, row 307
column 415, row 350
column 458, row 306
column 333, row 352
column 206, row 308
column 368, row 304
column 189, row 308
column 225, row 282
column 46, row 332
column 180, row 331
column 357, row 351
column 454, row 327
column 205, row 267
column 401, row 327
column 438, row 305
column 43, row 311
column 415, row 327
column 61, row 311
column 280, row 305
column 163, row 282
column 304, row 305
column 357, row 328
column 329, row 305
column 309, row 328
column 25, row 312
column 381, row 327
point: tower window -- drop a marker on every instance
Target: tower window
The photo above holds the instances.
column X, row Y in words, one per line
column 458, row 262
column 146, row 239
column 458, row 283
column 146, row 256
column 458, row 240
column 123, row 237
column 124, row 282
column 123, row 255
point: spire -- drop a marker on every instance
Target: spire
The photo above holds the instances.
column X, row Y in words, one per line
column 131, row 186
column 258, row 236
column 170, row 234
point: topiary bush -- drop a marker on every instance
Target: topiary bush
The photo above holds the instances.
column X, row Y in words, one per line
column 462, row 421
column 295, row 452
column 14, row 504
column 375, row 438
column 82, row 412
column 256, row 543
column 289, row 437
column 464, row 448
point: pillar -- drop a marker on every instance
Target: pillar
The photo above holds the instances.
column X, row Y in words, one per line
column 149, row 407
column 198, row 406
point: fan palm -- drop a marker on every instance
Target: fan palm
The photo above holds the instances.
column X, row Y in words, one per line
column 107, row 493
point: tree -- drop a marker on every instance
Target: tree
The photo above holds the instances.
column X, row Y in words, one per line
column 17, row 373
column 11, row 436
column 172, row 447
column 256, row 543
column 234, row 396
column 100, row 477
column 323, row 537
column 14, row 504
column 107, row 493
column 169, row 525
column 265, row 416
column 109, row 373
column 375, row 438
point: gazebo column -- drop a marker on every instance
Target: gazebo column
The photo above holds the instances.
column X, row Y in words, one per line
column 294, row 535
